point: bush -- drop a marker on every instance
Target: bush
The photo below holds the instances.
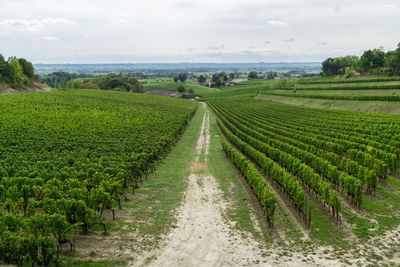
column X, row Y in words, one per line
column 181, row 89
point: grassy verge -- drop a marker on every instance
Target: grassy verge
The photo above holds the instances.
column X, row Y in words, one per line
column 149, row 214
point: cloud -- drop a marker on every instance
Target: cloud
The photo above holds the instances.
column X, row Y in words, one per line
column 56, row 21
column 216, row 47
column 190, row 49
column 34, row 22
column 322, row 43
column 50, row 38
column 182, row 24
column 289, row 40
column 276, row 23
column 20, row 22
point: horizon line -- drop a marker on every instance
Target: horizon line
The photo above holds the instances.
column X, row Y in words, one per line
column 186, row 62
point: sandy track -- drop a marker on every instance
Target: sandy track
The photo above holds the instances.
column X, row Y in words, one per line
column 203, row 237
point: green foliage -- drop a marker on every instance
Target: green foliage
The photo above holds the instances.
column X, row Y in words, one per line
column 16, row 74
column 201, row 79
column 252, row 75
column 341, row 97
column 372, row 59
column 80, row 150
column 335, row 66
column 375, row 62
column 27, row 67
column 60, row 79
column 74, row 84
column 181, row 89
column 254, row 178
column 348, row 81
column 113, row 81
column 393, row 61
column 3, row 68
column 182, row 77
column 332, row 153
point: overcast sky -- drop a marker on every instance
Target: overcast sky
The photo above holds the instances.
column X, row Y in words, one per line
column 122, row 31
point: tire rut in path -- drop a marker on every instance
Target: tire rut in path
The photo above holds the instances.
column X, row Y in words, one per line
column 203, row 237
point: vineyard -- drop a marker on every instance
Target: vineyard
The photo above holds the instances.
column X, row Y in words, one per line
column 74, row 161
column 337, row 163
column 69, row 157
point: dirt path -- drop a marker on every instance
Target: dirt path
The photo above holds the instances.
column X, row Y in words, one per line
column 203, row 237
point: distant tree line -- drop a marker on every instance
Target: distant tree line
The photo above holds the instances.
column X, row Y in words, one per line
column 60, row 79
column 372, row 62
column 17, row 72
column 111, row 81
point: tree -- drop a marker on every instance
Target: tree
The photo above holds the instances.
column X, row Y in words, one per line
column 3, row 67
column 372, row 59
column 74, row 84
column 16, row 74
column 215, row 80
column 180, row 89
column 176, row 79
column 138, row 88
column 271, row 75
column 27, row 67
column 252, row 75
column 337, row 66
column 191, row 90
column 182, row 77
column 232, row 75
column 393, row 61
column 201, row 79
column 225, row 79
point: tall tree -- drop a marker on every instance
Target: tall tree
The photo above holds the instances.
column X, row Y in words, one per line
column 16, row 75
column 393, row 61
column 201, row 79
column 3, row 68
column 182, row 77
column 27, row 67
column 372, row 59
column 252, row 75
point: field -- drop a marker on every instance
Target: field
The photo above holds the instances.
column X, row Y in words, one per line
column 67, row 158
column 336, row 171
column 263, row 174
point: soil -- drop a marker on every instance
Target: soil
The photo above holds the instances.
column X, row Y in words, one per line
column 32, row 87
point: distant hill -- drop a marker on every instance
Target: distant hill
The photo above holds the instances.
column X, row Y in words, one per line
column 153, row 68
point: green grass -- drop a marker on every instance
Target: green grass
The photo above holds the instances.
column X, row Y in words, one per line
column 324, row 230
column 151, row 212
column 84, row 263
column 232, row 184
column 330, row 104
column 348, row 85
column 345, row 92
column 163, row 85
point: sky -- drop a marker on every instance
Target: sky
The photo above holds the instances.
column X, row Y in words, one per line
column 140, row 31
